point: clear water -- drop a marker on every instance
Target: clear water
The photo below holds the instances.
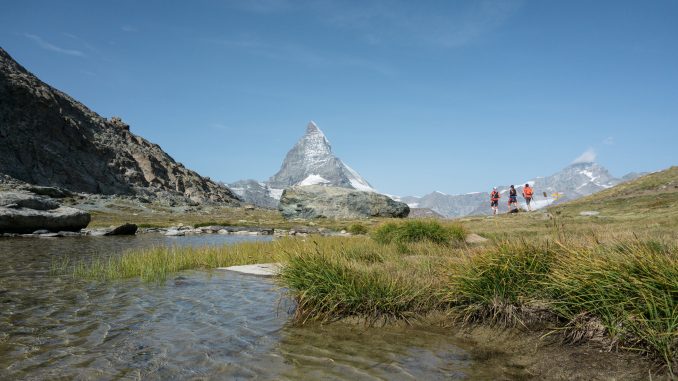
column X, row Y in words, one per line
column 197, row 325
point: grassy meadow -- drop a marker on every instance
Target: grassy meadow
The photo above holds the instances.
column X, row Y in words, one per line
column 611, row 278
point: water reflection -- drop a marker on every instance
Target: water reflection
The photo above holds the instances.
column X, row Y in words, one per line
column 196, row 325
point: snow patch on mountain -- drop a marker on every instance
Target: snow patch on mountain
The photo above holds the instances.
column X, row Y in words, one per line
column 357, row 181
column 313, row 180
column 275, row 193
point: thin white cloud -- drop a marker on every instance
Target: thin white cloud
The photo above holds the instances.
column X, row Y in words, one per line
column 54, row 48
column 262, row 6
column 589, row 156
column 129, row 28
column 608, row 141
column 300, row 54
column 398, row 22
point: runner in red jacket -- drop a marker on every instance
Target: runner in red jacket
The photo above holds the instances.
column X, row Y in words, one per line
column 494, row 200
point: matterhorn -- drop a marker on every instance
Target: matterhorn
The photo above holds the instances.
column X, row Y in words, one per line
column 309, row 162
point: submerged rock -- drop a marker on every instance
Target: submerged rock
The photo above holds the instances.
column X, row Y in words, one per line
column 317, row 201
column 26, row 213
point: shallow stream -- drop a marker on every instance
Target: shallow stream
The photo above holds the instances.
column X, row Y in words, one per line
column 197, row 325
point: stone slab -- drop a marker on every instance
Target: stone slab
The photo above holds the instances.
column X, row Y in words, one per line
column 260, row 269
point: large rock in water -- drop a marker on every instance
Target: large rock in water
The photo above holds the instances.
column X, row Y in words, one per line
column 25, row 213
column 332, row 202
column 49, row 139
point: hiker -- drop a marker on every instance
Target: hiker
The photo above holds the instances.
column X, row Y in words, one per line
column 513, row 200
column 527, row 195
column 494, row 201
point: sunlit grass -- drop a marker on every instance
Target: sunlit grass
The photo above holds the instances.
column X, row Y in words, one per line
column 627, row 288
column 156, row 264
column 632, row 287
column 419, row 231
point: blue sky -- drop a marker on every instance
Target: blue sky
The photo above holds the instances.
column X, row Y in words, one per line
column 454, row 96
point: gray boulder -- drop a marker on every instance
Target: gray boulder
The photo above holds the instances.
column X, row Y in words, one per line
column 17, row 200
column 26, row 213
column 125, row 229
column 317, row 201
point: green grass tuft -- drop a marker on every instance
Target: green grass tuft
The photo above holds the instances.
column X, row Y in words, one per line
column 333, row 286
column 494, row 284
column 418, row 231
column 632, row 288
column 357, row 229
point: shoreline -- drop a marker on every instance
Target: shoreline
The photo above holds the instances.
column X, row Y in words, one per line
column 524, row 353
column 187, row 230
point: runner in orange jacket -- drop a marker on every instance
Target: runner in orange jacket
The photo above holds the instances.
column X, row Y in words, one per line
column 527, row 194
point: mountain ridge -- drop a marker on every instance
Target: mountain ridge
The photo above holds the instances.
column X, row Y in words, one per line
column 51, row 139
column 574, row 181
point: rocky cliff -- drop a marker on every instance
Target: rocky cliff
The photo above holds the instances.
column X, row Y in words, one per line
column 50, row 139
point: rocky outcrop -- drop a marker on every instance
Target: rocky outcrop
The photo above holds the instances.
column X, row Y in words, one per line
column 26, row 213
column 424, row 213
column 49, row 139
column 316, row 201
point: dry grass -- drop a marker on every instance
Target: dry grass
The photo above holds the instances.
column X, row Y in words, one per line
column 614, row 276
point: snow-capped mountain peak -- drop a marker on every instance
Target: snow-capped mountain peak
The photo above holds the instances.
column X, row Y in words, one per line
column 311, row 159
column 312, row 127
column 309, row 162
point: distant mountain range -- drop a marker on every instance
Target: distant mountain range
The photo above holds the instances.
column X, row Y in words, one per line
column 572, row 182
column 309, row 162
